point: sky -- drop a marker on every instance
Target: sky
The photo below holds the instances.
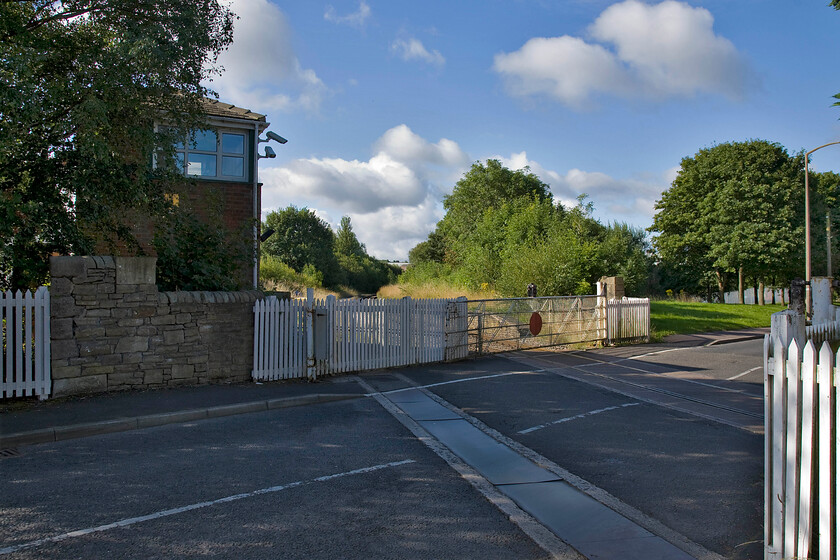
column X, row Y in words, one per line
column 386, row 104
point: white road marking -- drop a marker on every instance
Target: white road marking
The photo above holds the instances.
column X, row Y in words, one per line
column 743, row 373
column 576, row 417
column 653, row 353
column 666, row 374
column 175, row 511
column 454, row 381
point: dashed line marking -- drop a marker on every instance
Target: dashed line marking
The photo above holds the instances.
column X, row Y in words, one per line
column 175, row 511
column 742, row 374
column 576, row 417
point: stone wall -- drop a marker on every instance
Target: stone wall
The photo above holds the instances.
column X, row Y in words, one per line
column 112, row 330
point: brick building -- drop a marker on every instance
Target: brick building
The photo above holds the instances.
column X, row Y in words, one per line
column 221, row 159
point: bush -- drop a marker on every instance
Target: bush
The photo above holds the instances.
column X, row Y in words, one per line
column 275, row 274
column 197, row 255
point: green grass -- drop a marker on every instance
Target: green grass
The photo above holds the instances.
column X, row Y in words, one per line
column 680, row 317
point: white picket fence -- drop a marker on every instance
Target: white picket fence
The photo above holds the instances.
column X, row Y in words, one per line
column 297, row 338
column 26, row 344
column 628, row 319
column 823, row 332
column 801, row 467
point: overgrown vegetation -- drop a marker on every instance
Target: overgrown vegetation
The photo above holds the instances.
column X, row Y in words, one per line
column 200, row 253
column 502, row 231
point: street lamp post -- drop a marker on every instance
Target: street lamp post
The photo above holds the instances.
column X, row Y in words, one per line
column 808, row 214
column 808, row 227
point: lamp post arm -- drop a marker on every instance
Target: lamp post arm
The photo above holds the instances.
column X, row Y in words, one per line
column 808, row 219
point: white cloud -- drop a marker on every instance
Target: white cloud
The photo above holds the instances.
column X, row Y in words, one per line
column 393, row 231
column 651, row 51
column 627, row 199
column 566, row 68
column 262, row 71
column 406, row 146
column 412, row 49
column 354, row 19
column 358, row 186
column 393, row 199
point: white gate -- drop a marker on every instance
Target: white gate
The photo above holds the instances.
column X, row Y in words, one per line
column 26, row 344
column 628, row 319
column 296, row 338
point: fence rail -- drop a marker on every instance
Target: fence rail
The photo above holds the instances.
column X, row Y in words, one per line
column 801, row 467
column 26, row 344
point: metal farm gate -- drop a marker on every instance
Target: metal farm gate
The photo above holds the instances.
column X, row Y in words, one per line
column 502, row 325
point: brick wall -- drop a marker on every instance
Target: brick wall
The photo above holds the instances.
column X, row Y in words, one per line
column 226, row 202
column 112, row 330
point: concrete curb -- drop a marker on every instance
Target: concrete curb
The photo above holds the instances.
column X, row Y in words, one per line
column 74, row 431
column 743, row 338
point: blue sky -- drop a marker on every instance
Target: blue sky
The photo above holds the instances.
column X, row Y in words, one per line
column 387, row 104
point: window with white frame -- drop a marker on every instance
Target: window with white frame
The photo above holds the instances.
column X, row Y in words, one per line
column 214, row 154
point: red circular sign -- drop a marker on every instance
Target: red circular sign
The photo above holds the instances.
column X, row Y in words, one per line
column 536, row 323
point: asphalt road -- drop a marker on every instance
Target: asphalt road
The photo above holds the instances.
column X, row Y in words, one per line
column 321, row 502
column 670, row 433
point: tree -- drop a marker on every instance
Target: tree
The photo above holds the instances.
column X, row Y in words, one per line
column 84, row 82
column 196, row 254
column 485, row 188
column 733, row 208
column 302, row 238
column 346, row 242
column 431, row 250
column 826, row 188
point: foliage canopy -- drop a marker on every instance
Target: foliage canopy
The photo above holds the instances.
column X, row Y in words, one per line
column 84, row 80
column 502, row 231
column 734, row 207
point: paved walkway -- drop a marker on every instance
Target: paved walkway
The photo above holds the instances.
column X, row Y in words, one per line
column 592, row 528
column 29, row 421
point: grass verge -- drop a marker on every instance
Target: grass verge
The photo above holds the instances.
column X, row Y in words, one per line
column 680, row 317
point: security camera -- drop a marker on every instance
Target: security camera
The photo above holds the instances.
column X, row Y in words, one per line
column 266, row 234
column 276, row 137
column 269, row 153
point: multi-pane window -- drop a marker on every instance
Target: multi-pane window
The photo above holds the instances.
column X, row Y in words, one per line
column 214, row 154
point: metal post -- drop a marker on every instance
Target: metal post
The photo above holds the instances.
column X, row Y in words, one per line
column 808, row 230
column 480, row 332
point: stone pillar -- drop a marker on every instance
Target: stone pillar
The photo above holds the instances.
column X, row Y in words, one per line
column 821, row 300
column 613, row 287
column 786, row 326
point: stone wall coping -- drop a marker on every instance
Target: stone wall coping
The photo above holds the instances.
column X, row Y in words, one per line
column 244, row 296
